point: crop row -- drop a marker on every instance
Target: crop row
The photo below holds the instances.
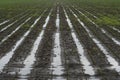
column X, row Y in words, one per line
column 58, row 43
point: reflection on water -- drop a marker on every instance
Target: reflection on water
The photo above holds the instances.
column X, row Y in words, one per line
column 111, row 60
column 4, row 60
column 8, row 26
column 4, row 22
column 31, row 58
column 114, row 40
column 116, row 29
column 57, row 64
column 3, row 40
column 86, row 64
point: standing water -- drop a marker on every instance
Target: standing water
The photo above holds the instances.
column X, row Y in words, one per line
column 7, row 26
column 31, row 58
column 4, row 39
column 4, row 22
column 114, row 40
column 86, row 64
column 111, row 60
column 56, row 64
column 4, row 60
column 116, row 29
column 3, row 29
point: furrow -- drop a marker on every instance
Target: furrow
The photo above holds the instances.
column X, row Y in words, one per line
column 69, row 53
column 102, row 30
column 114, row 40
column 4, row 60
column 3, row 40
column 114, row 28
column 111, row 44
column 8, row 20
column 57, row 62
column 111, row 60
column 29, row 61
column 9, row 25
column 4, row 22
column 42, row 65
column 86, row 64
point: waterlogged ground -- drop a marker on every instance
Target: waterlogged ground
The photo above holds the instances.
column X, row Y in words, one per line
column 58, row 43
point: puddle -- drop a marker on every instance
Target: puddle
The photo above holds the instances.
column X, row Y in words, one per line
column 114, row 40
column 111, row 60
column 83, row 59
column 57, row 68
column 4, row 60
column 4, row 22
column 14, row 31
column 31, row 58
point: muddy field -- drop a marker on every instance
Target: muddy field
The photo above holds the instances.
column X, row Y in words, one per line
column 58, row 42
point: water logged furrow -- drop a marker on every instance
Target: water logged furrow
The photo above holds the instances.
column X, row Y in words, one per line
column 4, row 60
column 111, row 43
column 58, row 20
column 56, row 63
column 114, row 35
column 7, row 21
column 4, row 22
column 20, row 14
column 11, row 41
column 20, row 54
column 69, row 54
column 9, row 25
column 3, row 40
column 87, row 16
column 114, row 28
column 117, row 27
column 86, row 64
column 102, row 30
column 31, row 58
column 88, row 13
column 114, row 40
column 41, row 69
column 11, row 30
column 111, row 60
column 29, row 61
column 92, row 14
